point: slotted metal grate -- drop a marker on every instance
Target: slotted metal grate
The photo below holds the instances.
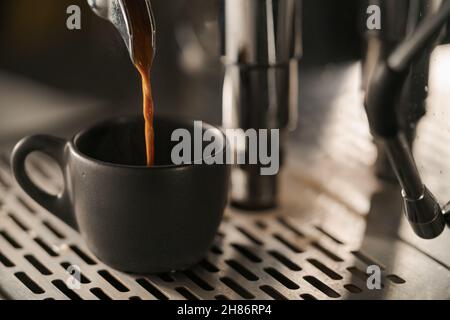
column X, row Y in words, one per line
column 335, row 220
column 269, row 256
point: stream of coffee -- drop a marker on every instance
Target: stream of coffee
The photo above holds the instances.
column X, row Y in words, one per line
column 143, row 55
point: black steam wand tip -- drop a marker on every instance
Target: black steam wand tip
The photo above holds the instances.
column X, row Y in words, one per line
column 421, row 208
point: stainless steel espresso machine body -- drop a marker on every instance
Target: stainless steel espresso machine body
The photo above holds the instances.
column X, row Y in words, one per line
column 356, row 127
column 261, row 49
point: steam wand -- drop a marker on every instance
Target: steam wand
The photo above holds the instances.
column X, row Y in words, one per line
column 422, row 210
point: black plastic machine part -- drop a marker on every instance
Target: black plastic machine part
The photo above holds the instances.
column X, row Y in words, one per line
column 423, row 211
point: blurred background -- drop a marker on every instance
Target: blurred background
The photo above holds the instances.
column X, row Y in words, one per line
column 54, row 80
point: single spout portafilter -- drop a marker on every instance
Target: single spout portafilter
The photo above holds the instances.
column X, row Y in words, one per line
column 422, row 210
column 118, row 13
column 261, row 46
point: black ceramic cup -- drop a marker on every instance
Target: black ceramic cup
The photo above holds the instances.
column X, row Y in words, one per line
column 134, row 218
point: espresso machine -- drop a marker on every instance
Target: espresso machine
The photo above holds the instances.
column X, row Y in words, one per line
column 261, row 47
column 358, row 142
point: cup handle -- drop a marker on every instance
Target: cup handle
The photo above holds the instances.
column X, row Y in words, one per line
column 59, row 205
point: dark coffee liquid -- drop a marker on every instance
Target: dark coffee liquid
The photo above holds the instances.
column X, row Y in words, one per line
column 141, row 30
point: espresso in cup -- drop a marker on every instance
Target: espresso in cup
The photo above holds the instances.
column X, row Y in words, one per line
column 143, row 54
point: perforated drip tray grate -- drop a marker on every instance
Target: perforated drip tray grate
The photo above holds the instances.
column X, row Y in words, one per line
column 257, row 256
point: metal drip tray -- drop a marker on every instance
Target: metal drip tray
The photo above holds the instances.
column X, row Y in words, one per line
column 272, row 255
column 335, row 220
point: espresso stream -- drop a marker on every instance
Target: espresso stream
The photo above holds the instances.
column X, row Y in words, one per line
column 143, row 57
